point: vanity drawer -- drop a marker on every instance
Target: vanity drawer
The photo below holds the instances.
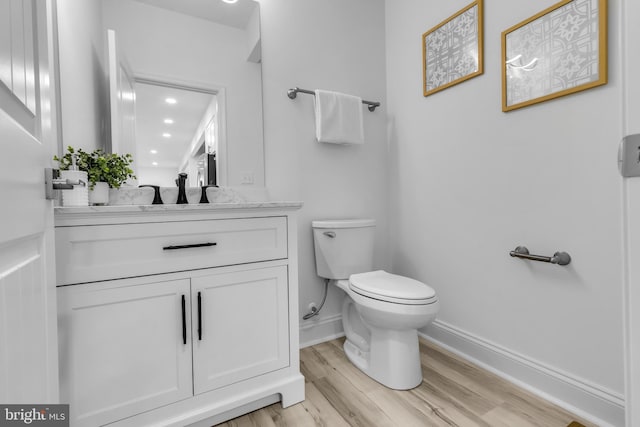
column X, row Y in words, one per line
column 103, row 252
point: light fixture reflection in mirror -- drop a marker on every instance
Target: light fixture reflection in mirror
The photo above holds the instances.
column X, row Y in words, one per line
column 515, row 63
column 515, row 68
column 166, row 146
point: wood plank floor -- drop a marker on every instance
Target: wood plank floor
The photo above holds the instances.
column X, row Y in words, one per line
column 453, row 393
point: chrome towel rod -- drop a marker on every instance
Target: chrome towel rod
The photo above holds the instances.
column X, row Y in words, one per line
column 293, row 93
column 560, row 258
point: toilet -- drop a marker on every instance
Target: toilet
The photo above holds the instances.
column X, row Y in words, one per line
column 381, row 312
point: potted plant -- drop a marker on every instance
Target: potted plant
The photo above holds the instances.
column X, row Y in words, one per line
column 104, row 170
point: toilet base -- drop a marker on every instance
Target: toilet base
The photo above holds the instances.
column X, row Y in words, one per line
column 359, row 358
column 393, row 361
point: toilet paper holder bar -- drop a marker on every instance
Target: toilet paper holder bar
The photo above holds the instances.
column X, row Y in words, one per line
column 560, row 258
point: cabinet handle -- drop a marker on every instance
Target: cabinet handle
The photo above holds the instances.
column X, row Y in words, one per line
column 184, row 321
column 195, row 245
column 199, row 316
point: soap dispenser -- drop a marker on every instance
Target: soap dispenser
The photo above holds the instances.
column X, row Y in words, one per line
column 79, row 196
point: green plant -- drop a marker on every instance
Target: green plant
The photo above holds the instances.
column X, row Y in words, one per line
column 111, row 168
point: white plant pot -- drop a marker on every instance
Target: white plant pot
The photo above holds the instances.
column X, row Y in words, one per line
column 100, row 194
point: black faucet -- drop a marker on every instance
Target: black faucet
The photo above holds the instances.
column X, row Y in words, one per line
column 182, row 193
column 203, row 197
column 157, row 200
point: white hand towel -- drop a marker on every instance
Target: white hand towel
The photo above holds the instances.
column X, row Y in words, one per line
column 338, row 118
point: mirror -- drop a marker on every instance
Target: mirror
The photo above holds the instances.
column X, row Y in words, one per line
column 121, row 60
column 175, row 136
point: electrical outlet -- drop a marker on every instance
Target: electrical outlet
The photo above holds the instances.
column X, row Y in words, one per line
column 247, row 178
column 629, row 156
column 312, row 307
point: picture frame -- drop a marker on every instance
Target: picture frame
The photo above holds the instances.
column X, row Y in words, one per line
column 452, row 51
column 557, row 52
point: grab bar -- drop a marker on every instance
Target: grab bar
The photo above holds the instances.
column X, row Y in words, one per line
column 560, row 258
column 293, row 93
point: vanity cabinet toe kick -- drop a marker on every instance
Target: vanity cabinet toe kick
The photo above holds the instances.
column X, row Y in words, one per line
column 181, row 322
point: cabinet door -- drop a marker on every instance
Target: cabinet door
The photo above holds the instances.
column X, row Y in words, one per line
column 240, row 326
column 122, row 349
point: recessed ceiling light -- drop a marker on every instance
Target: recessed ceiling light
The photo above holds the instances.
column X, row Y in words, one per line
column 230, row 1
column 168, row 121
column 166, row 135
column 155, row 163
column 170, row 100
column 154, row 151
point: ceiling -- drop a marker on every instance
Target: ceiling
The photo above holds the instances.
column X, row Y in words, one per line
column 234, row 15
column 152, row 110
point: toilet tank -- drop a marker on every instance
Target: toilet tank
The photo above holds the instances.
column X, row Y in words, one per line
column 343, row 247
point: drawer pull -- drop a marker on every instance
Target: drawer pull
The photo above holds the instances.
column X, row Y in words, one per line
column 195, row 245
column 199, row 316
column 184, row 321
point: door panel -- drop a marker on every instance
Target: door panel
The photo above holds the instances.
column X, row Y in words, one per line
column 21, row 273
column 18, row 51
column 5, row 44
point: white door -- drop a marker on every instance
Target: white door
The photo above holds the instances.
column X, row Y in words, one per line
column 28, row 340
column 122, row 98
column 240, row 326
column 631, row 191
column 126, row 347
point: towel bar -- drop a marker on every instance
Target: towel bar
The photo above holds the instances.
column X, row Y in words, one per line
column 560, row 258
column 293, row 93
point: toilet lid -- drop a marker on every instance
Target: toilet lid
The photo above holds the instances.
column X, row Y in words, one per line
column 390, row 287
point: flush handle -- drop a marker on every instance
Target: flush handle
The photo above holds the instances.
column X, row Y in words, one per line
column 331, row 234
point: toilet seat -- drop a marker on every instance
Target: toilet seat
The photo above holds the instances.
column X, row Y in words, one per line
column 391, row 288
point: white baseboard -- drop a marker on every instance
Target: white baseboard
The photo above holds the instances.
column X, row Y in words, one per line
column 595, row 403
column 315, row 331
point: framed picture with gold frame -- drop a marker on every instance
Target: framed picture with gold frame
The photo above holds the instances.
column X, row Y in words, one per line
column 559, row 51
column 452, row 50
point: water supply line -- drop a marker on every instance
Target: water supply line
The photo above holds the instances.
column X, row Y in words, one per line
column 314, row 310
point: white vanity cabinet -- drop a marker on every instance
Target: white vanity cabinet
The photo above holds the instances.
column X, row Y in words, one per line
column 173, row 316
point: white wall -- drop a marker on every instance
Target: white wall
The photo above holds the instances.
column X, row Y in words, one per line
column 178, row 47
column 336, row 45
column 164, row 177
column 470, row 183
column 84, row 94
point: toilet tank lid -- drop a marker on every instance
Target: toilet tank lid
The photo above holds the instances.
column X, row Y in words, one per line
column 344, row 223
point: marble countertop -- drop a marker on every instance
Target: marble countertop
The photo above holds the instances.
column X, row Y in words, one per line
column 62, row 210
column 130, row 214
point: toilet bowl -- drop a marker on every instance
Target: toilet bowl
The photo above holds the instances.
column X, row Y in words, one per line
column 381, row 312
